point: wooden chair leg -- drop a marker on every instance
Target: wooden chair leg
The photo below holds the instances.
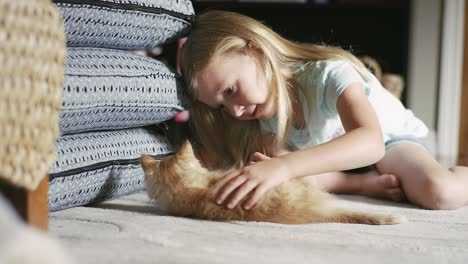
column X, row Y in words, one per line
column 32, row 206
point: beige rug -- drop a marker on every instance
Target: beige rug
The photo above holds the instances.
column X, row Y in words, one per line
column 134, row 230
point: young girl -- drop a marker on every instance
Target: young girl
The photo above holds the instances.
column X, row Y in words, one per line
column 286, row 110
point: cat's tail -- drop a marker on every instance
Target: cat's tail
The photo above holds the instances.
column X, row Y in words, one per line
column 354, row 217
column 335, row 215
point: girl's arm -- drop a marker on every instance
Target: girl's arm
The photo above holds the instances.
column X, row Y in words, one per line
column 360, row 146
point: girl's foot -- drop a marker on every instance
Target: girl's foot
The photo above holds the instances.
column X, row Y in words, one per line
column 386, row 186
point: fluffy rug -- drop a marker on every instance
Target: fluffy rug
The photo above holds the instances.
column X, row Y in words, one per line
column 134, row 230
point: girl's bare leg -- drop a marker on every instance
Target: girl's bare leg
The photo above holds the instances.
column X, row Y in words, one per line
column 424, row 181
column 370, row 183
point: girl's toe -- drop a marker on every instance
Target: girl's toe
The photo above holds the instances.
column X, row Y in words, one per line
column 395, row 194
column 390, row 180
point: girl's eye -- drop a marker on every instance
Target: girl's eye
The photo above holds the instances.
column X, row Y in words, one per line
column 229, row 90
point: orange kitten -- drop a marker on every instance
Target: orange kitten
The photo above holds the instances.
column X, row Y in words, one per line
column 185, row 188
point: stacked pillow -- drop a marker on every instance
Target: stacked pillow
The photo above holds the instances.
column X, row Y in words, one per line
column 112, row 96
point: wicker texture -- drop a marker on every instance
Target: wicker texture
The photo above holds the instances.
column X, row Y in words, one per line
column 32, row 58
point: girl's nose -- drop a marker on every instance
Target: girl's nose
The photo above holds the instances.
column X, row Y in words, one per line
column 236, row 110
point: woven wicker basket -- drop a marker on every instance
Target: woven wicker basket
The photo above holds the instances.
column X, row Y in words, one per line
column 32, row 61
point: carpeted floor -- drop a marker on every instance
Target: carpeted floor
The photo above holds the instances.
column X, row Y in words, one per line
column 133, row 230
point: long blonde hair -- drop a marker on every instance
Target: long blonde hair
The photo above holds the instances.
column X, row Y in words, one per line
column 216, row 33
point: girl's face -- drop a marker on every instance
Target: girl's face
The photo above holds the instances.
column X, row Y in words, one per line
column 237, row 84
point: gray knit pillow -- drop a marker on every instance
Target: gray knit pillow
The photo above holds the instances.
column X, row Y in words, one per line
column 96, row 166
column 113, row 89
column 125, row 24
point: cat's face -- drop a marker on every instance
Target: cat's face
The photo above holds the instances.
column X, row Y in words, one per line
column 183, row 158
column 149, row 165
column 158, row 174
column 151, row 169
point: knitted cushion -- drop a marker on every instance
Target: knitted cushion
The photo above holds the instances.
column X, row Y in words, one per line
column 113, row 89
column 125, row 24
column 95, row 166
column 32, row 59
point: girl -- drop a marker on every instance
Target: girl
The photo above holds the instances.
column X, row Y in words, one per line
column 289, row 110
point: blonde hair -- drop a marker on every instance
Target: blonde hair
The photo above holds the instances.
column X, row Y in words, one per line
column 217, row 33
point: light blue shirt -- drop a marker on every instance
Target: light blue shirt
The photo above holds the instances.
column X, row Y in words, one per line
column 323, row 82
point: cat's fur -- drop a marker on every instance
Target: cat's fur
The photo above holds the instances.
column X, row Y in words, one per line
column 185, row 188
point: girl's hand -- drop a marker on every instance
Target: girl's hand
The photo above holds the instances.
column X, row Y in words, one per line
column 255, row 179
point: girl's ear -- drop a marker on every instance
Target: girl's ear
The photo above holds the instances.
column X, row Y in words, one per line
column 253, row 46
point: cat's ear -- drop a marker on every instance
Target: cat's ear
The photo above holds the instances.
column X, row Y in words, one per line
column 185, row 150
column 149, row 164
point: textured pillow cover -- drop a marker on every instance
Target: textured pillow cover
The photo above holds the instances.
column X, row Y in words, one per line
column 96, row 166
column 125, row 24
column 113, row 89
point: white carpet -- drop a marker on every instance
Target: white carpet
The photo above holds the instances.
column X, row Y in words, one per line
column 134, row 230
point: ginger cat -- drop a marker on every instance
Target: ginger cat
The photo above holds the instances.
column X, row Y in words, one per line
column 185, row 188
